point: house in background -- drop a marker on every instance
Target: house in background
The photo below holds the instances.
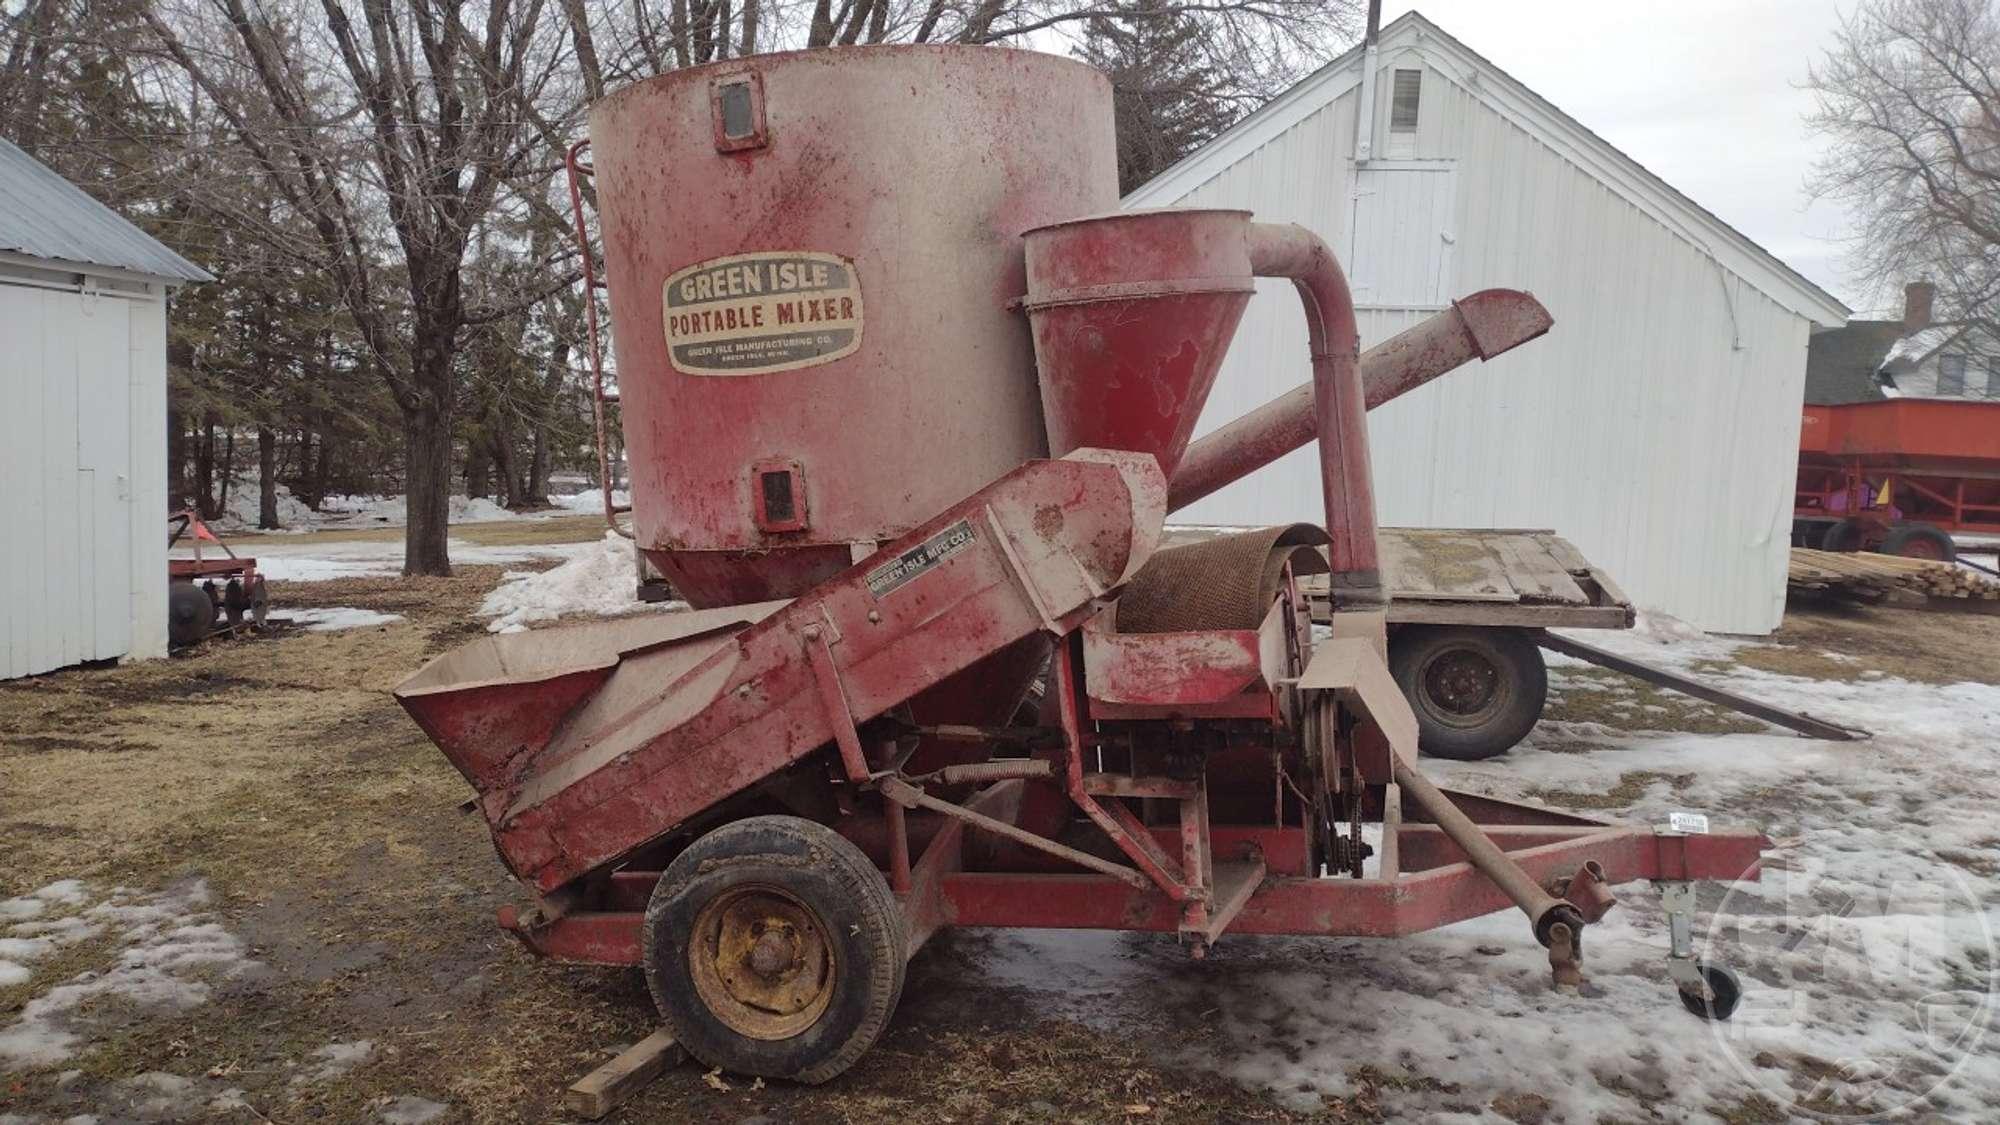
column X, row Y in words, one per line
column 1844, row 365
column 1656, row 426
column 1945, row 361
column 83, row 433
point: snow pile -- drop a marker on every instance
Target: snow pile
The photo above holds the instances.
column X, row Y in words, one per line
column 600, row 578
column 240, row 508
column 591, row 500
column 1867, row 950
column 166, row 941
column 336, row 618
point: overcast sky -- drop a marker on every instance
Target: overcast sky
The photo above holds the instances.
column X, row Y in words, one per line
column 1702, row 92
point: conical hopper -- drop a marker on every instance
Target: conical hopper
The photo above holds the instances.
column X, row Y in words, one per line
column 1132, row 314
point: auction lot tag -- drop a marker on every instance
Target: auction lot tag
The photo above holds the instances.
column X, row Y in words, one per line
column 752, row 314
column 1688, row 823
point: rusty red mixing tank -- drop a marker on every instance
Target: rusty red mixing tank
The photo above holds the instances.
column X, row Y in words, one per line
column 811, row 260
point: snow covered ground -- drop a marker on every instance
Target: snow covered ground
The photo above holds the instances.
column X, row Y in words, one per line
column 280, row 560
column 1867, row 949
column 336, row 512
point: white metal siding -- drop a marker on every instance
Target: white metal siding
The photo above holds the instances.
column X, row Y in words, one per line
column 1636, row 427
column 84, row 382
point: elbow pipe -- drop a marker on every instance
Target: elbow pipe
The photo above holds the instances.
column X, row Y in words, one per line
column 1481, row 326
column 1340, row 410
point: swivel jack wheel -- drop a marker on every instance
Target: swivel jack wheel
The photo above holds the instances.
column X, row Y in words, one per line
column 1709, row 991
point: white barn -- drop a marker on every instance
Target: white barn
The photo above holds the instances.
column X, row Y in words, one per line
column 83, row 428
column 1656, row 426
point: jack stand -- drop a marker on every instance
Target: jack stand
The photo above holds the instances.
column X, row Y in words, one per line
column 1709, row 991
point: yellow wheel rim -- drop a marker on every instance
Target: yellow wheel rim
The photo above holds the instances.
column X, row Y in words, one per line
column 761, row 962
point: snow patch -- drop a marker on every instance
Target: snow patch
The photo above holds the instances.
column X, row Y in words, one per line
column 412, row 1110
column 335, row 1059
column 600, row 578
column 337, row 618
column 166, row 941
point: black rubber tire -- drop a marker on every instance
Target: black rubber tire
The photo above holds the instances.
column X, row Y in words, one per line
column 235, row 602
column 190, row 614
column 1903, row 535
column 1844, row 534
column 857, row 912
column 1518, row 684
column 1726, row 986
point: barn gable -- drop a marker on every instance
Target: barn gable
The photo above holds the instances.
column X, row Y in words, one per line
column 1656, row 426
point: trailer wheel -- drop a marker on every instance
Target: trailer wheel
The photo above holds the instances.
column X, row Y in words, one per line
column 190, row 614
column 774, row 948
column 1844, row 534
column 1475, row 691
column 1920, row 541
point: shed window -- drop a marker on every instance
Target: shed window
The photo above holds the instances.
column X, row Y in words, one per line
column 1951, row 375
column 1403, row 103
column 1993, row 378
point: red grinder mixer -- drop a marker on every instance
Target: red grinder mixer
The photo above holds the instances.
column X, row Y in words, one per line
column 908, row 407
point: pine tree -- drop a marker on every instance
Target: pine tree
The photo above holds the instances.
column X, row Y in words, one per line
column 1169, row 100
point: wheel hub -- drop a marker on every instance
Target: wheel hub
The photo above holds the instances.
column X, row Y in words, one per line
column 761, row 962
column 1461, row 684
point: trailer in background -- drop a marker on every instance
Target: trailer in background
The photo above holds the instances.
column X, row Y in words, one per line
column 1899, row 476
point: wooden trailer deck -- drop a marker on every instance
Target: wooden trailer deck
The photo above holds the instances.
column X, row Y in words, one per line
column 1530, row 579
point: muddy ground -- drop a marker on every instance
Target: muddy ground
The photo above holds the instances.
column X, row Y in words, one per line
column 277, row 774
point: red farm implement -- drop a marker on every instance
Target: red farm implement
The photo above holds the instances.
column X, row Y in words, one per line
column 206, row 592
column 1900, row 476
column 905, row 429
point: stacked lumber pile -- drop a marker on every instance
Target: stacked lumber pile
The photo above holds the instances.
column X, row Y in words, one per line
column 1869, row 577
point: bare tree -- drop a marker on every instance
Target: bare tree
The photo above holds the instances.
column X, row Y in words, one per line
column 394, row 132
column 1258, row 45
column 1909, row 96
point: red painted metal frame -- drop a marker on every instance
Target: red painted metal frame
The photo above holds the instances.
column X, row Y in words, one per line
column 1436, row 887
column 1482, row 325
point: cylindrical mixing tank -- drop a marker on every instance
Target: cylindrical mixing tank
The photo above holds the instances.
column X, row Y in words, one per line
column 811, row 258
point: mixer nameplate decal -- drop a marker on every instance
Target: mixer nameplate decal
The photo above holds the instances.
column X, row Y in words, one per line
column 890, row 576
column 751, row 314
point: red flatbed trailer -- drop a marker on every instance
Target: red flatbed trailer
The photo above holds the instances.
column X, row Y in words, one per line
column 1899, row 476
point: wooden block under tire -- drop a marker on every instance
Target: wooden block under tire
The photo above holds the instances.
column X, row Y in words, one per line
column 607, row 1087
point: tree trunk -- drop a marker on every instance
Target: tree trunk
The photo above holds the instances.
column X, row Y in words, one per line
column 478, row 470
column 267, row 478
column 228, row 474
column 505, row 466
column 427, row 492
column 204, row 468
column 177, row 490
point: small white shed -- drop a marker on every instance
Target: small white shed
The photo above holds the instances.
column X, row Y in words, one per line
column 83, row 425
column 1656, row 426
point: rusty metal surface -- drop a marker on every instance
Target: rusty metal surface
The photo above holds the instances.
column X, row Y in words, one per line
column 1505, row 319
column 1031, row 552
column 920, row 166
column 1223, row 582
column 1132, row 315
